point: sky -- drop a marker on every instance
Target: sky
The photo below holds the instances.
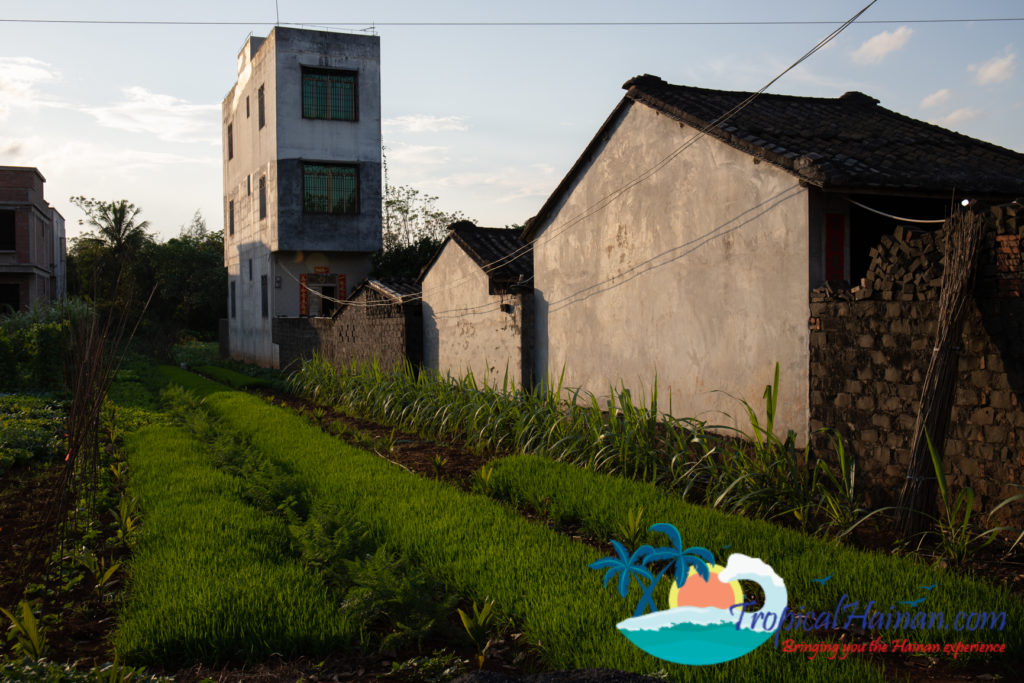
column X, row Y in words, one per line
column 486, row 118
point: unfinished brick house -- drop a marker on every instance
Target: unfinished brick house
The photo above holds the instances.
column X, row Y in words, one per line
column 32, row 245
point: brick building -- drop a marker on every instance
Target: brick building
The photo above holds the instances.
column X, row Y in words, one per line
column 32, row 248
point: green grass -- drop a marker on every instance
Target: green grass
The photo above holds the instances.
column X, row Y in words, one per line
column 232, row 378
column 602, row 503
column 213, row 578
column 481, row 548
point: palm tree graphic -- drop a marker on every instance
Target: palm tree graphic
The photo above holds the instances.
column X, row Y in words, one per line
column 634, row 566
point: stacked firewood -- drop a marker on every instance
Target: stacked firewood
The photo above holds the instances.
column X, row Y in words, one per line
column 907, row 265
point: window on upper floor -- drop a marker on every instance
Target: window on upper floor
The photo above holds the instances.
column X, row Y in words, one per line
column 232, row 298
column 264, row 297
column 7, row 241
column 231, row 217
column 231, row 143
column 328, row 94
column 260, row 109
column 248, row 185
column 263, row 197
column 330, row 188
column 246, row 106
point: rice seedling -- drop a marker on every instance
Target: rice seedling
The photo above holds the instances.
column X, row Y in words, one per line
column 599, row 502
column 479, row 547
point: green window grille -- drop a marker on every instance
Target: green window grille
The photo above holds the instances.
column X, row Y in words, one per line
column 329, row 95
column 330, row 188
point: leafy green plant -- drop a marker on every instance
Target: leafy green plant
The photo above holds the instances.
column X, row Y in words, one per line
column 26, row 633
column 438, row 461
column 125, row 517
column 632, row 529
column 478, row 627
column 483, row 478
column 102, row 574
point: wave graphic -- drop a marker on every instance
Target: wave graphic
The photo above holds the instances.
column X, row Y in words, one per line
column 710, row 635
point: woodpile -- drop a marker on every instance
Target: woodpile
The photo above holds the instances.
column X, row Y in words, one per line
column 905, row 266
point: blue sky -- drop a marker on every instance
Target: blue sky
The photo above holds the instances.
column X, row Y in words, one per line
column 489, row 119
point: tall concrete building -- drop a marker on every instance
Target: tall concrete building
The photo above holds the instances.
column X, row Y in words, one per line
column 302, row 179
column 32, row 247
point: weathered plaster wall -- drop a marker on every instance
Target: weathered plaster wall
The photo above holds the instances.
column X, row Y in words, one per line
column 464, row 327
column 696, row 277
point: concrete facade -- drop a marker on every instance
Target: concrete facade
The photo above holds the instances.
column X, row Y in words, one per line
column 32, row 256
column 466, row 328
column 697, row 277
column 281, row 251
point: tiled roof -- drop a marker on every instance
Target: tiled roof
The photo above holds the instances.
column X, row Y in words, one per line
column 499, row 251
column 845, row 142
column 397, row 288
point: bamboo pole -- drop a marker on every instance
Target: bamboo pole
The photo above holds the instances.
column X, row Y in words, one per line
column 917, row 503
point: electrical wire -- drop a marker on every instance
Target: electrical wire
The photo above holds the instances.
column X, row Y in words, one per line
column 889, row 215
column 602, row 203
column 369, row 25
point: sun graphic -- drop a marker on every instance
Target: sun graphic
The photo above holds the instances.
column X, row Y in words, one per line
column 696, row 592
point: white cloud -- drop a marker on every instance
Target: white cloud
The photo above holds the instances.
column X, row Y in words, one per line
column 415, row 155
column 959, row 116
column 874, row 49
column 424, row 123
column 19, row 81
column 507, row 185
column 936, row 98
column 995, row 70
column 169, row 118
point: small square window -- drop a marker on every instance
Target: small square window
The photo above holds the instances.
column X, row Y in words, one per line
column 328, row 94
column 330, row 188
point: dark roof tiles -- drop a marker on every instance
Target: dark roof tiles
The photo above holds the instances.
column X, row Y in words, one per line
column 499, row 251
column 845, row 142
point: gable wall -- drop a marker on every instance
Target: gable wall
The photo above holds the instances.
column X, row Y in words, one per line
column 464, row 327
column 697, row 277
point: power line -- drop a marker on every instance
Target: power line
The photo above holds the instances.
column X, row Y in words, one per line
column 609, row 198
column 504, row 24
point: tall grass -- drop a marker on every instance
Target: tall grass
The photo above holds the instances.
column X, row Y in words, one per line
column 757, row 473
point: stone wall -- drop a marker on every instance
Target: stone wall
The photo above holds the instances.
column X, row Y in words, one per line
column 388, row 334
column 871, row 346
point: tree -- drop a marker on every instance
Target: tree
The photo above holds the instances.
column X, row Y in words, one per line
column 117, row 223
column 189, row 274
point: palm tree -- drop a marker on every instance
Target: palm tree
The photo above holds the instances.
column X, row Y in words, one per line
column 628, row 567
column 677, row 559
column 116, row 224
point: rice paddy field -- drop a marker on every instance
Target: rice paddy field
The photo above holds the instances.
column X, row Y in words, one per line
column 249, row 532
column 263, row 535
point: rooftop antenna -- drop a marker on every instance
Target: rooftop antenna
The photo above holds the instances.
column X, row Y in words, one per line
column 278, row 10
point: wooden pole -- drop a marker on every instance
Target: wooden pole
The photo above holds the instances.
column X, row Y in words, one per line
column 917, row 499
